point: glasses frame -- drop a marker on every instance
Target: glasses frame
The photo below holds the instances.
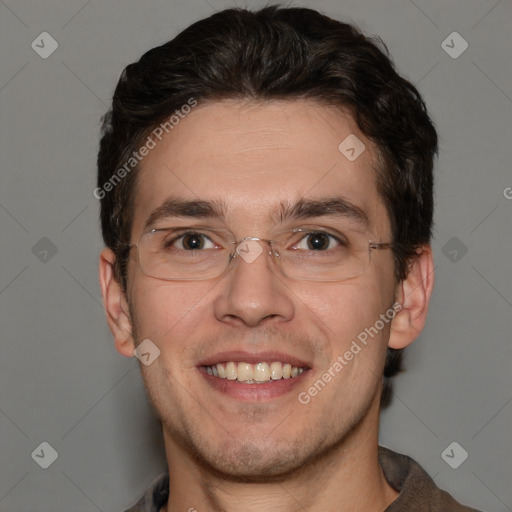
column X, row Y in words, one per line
column 233, row 254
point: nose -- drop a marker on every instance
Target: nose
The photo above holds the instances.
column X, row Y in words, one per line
column 254, row 291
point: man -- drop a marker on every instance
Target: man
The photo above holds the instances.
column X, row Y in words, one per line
column 266, row 202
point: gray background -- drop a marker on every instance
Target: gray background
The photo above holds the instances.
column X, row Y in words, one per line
column 61, row 380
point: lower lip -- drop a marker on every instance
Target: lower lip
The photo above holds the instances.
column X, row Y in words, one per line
column 253, row 392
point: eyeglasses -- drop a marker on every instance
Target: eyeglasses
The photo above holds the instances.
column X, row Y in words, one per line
column 305, row 253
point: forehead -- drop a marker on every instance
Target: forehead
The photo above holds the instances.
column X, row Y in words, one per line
column 253, row 157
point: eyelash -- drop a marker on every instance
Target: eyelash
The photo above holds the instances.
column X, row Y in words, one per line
column 306, row 233
column 171, row 242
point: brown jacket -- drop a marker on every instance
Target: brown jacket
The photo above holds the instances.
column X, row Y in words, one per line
column 418, row 492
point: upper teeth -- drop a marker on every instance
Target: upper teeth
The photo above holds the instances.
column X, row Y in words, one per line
column 260, row 372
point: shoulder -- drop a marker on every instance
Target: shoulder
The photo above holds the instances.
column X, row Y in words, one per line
column 154, row 497
column 417, row 490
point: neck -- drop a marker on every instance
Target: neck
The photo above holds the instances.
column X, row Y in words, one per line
column 348, row 478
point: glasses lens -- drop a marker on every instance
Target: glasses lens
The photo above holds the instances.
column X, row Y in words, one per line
column 323, row 256
column 175, row 254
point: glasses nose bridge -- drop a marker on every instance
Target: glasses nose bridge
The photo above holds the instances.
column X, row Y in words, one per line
column 238, row 251
column 269, row 243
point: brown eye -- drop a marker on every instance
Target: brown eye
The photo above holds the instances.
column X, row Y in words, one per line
column 317, row 241
column 192, row 241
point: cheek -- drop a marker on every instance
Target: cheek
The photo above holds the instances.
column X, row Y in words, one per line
column 343, row 310
column 168, row 313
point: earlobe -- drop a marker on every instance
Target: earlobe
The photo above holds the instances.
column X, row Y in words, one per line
column 413, row 295
column 115, row 304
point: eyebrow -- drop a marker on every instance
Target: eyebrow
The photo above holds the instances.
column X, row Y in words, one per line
column 324, row 207
column 174, row 207
column 286, row 211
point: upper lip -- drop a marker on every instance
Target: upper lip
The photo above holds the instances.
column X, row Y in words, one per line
column 252, row 358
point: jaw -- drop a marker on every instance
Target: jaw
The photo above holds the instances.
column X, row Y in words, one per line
column 273, row 439
column 263, row 444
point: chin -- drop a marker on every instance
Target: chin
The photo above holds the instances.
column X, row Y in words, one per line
column 250, row 462
column 258, row 461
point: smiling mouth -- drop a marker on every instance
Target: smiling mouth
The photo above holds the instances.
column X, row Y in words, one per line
column 259, row 373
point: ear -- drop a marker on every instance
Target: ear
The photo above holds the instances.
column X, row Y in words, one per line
column 413, row 293
column 115, row 304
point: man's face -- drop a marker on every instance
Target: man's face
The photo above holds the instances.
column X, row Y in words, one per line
column 254, row 158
